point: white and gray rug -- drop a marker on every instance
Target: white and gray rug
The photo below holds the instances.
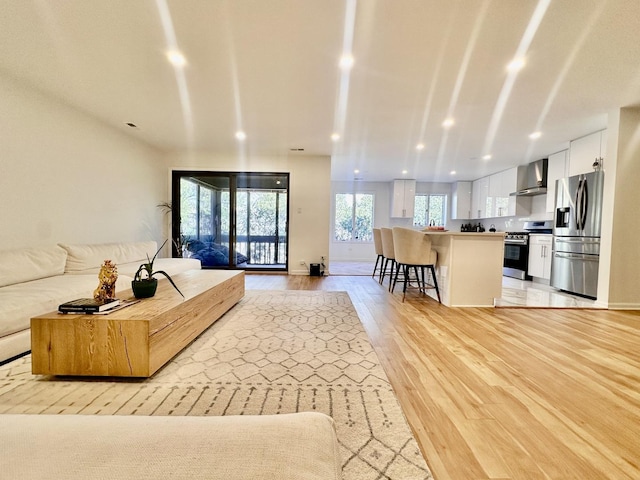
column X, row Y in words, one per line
column 275, row 352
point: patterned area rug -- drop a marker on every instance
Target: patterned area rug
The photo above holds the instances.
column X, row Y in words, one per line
column 275, row 352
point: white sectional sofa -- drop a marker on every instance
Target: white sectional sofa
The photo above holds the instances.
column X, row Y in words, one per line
column 292, row 446
column 34, row 281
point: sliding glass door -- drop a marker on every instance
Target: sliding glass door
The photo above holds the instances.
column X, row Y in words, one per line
column 231, row 220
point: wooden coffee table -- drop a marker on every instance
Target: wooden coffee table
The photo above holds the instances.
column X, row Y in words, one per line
column 137, row 340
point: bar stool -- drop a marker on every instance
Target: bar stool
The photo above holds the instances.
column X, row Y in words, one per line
column 413, row 250
column 389, row 254
column 377, row 242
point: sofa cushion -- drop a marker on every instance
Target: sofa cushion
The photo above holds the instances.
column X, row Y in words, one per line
column 293, row 446
column 22, row 301
column 17, row 266
column 90, row 256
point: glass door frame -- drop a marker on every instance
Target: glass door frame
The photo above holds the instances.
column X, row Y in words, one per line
column 176, row 175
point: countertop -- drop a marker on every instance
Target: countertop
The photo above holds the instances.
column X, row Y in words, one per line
column 465, row 234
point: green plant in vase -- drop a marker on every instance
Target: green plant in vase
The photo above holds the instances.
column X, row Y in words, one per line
column 144, row 284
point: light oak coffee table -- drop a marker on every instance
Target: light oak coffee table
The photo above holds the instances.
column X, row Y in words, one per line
column 139, row 339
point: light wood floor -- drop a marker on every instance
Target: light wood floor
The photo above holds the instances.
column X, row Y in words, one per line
column 504, row 393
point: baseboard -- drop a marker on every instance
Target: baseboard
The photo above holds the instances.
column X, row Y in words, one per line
column 623, row 306
column 299, row 272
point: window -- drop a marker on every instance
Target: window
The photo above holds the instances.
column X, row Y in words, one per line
column 430, row 210
column 354, row 217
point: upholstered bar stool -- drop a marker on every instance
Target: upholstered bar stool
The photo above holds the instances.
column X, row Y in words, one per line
column 412, row 249
column 389, row 254
column 377, row 242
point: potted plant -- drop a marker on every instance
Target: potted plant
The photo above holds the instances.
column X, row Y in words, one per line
column 180, row 241
column 143, row 284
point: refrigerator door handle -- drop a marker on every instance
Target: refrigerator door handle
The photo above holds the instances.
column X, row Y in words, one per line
column 581, row 210
column 577, row 203
column 585, row 203
column 579, row 240
column 574, row 256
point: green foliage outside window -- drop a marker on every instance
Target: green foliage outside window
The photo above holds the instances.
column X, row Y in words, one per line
column 188, row 211
column 430, row 210
column 353, row 217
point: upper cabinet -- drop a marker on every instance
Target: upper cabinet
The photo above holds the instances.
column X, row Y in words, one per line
column 480, row 205
column 585, row 150
column 491, row 196
column 557, row 168
column 501, row 185
column 461, row 201
column 403, row 198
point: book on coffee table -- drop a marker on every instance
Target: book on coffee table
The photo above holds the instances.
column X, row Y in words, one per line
column 87, row 305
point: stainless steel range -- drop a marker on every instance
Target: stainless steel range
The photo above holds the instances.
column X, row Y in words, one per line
column 516, row 255
column 516, row 249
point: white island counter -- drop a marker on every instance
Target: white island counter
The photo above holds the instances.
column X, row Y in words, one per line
column 469, row 267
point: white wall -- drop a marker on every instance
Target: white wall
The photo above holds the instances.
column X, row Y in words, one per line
column 309, row 197
column 66, row 177
column 619, row 274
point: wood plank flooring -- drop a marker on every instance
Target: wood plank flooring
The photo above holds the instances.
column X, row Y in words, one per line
column 500, row 393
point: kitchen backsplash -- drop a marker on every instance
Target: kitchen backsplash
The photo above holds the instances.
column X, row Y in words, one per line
column 509, row 224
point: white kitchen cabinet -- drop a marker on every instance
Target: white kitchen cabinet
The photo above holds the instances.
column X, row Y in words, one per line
column 585, row 150
column 556, row 169
column 540, row 255
column 501, row 186
column 503, row 202
column 461, row 201
column 403, row 198
column 480, row 202
column 499, row 202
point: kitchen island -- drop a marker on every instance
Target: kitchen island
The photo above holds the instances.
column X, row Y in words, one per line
column 469, row 268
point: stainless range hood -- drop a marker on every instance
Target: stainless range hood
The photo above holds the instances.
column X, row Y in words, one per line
column 532, row 179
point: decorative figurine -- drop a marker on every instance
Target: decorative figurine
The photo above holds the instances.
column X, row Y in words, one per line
column 108, row 275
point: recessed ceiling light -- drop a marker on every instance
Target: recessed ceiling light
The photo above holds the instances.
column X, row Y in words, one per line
column 448, row 122
column 487, row 157
column 420, row 146
column 335, row 137
column 453, row 172
column 241, row 135
column 535, row 135
column 516, row 64
column 176, row 59
column 404, row 172
column 346, row 62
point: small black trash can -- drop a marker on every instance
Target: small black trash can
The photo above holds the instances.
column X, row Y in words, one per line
column 315, row 270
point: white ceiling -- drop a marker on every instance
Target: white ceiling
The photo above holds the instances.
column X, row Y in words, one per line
column 270, row 68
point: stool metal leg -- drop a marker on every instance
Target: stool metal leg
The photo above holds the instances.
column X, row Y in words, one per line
column 435, row 281
column 376, row 265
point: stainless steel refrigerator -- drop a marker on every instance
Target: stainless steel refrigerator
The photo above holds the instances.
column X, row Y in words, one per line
column 576, row 230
